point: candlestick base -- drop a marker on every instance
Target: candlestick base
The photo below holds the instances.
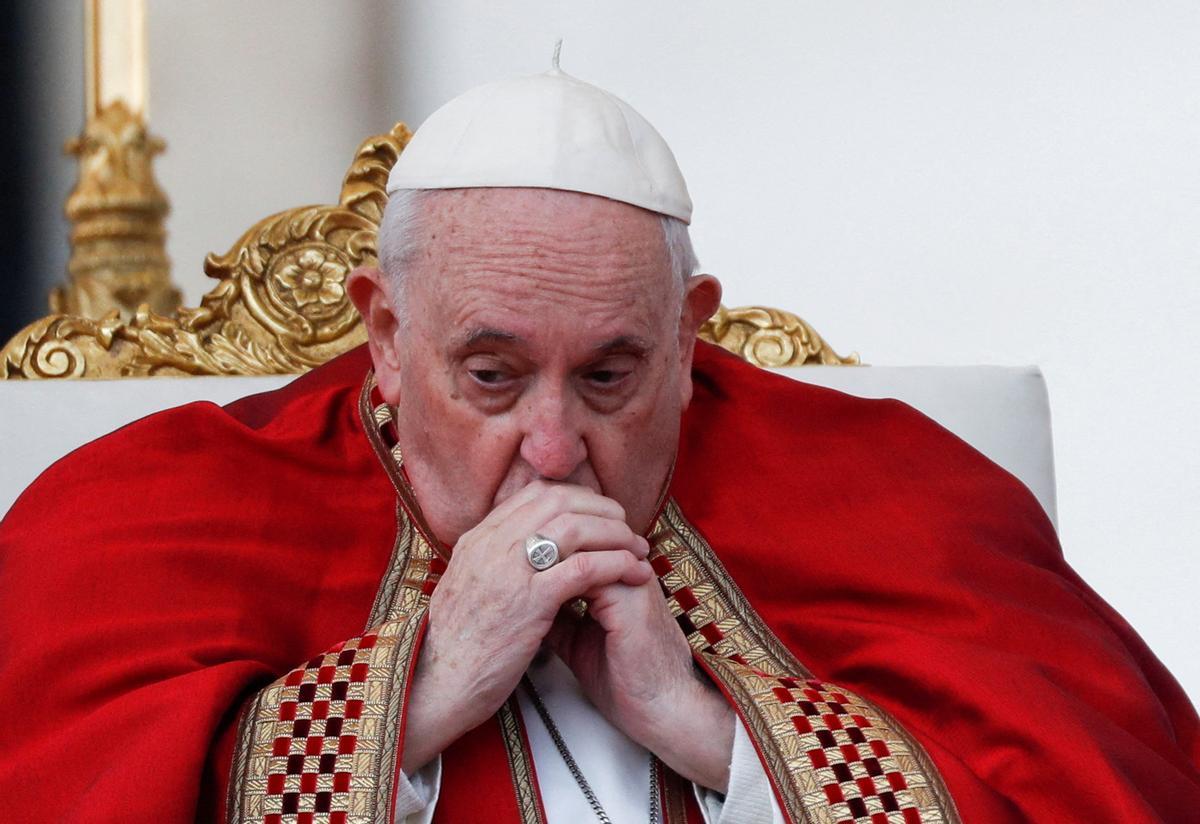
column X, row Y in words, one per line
column 118, row 240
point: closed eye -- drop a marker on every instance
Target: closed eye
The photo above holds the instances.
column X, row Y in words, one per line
column 489, row 377
column 605, row 376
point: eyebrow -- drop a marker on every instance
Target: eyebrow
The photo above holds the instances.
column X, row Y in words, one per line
column 625, row 343
column 487, row 335
column 621, row 343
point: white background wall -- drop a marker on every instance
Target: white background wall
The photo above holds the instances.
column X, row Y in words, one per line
column 926, row 182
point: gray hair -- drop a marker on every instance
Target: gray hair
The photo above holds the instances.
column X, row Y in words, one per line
column 399, row 238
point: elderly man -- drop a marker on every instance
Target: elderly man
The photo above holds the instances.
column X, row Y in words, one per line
column 552, row 560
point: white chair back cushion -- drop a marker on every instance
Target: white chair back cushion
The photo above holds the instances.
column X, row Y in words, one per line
column 1001, row 411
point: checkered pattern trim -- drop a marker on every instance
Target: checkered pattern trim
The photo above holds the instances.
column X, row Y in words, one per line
column 306, row 764
column 835, row 757
column 859, row 777
column 317, row 726
column 319, row 745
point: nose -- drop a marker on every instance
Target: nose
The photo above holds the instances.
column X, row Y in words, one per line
column 552, row 439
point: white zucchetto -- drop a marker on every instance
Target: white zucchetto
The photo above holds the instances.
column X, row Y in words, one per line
column 545, row 131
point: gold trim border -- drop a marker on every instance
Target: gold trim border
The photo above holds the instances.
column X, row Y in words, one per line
column 520, row 763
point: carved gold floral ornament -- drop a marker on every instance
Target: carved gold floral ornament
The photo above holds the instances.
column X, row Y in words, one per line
column 280, row 304
column 310, row 276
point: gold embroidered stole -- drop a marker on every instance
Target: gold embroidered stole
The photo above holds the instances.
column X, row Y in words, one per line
column 321, row 744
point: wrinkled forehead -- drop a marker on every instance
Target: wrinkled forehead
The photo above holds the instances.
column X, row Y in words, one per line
column 550, row 253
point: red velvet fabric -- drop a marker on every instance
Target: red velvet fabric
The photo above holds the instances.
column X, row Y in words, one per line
column 154, row 579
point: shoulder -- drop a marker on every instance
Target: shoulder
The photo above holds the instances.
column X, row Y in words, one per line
column 758, row 441
column 781, row 423
column 173, row 487
column 199, row 442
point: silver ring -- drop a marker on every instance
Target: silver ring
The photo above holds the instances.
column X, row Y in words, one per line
column 541, row 552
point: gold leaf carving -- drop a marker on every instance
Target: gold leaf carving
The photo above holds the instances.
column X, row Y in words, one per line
column 770, row 338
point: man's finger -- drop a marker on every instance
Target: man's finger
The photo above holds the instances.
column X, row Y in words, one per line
column 530, row 508
column 574, row 532
column 535, row 513
column 521, row 497
column 585, row 571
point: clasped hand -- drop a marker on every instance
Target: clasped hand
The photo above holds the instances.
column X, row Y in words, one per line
column 491, row 612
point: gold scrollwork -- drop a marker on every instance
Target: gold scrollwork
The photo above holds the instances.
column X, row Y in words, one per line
column 771, row 338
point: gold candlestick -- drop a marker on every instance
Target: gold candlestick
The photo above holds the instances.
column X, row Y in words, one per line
column 118, row 241
column 115, row 55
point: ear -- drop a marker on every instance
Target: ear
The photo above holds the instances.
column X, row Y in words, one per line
column 371, row 294
column 701, row 299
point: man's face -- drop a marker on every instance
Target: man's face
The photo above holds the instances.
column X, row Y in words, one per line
column 544, row 342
